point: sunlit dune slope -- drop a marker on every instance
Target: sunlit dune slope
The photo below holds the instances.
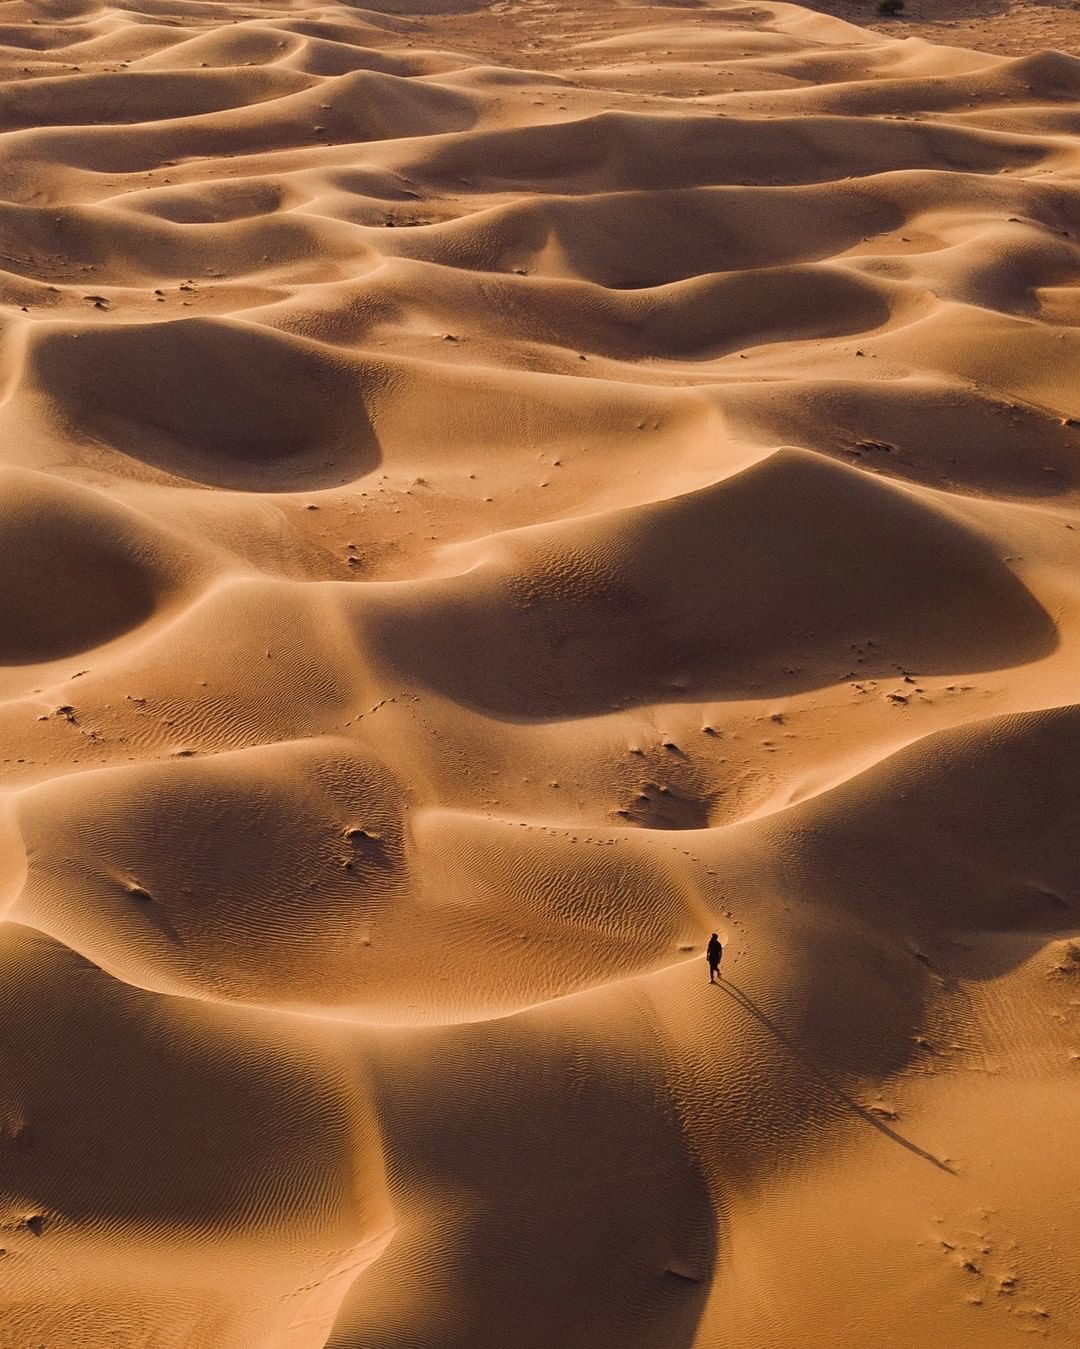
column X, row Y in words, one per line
column 490, row 496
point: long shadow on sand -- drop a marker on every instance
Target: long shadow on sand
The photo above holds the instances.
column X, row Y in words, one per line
column 826, row 1079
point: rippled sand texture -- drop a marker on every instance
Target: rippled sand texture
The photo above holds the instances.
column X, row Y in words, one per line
column 488, row 498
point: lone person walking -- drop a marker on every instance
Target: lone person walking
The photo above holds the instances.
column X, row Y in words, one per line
column 713, row 953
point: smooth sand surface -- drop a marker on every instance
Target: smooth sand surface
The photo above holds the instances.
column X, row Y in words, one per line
column 488, row 497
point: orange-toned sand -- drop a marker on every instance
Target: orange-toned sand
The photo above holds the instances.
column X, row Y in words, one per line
column 487, row 498
column 1009, row 27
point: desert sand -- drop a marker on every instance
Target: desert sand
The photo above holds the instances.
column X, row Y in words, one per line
column 1008, row 27
column 488, row 497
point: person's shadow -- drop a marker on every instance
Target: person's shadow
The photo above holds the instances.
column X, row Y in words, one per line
column 826, row 1079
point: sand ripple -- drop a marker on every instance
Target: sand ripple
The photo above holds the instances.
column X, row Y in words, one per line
column 488, row 497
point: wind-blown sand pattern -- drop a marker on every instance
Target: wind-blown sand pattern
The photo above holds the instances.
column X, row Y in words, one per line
column 487, row 499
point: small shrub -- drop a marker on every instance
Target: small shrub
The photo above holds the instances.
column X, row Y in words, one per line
column 890, row 7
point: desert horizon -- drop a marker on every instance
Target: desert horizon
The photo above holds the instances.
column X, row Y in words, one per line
column 491, row 496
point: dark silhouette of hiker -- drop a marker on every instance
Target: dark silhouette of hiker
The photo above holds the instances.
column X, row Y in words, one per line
column 713, row 953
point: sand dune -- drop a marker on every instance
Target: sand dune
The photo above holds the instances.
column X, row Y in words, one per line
column 489, row 496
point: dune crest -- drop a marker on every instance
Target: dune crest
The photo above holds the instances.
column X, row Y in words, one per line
column 490, row 495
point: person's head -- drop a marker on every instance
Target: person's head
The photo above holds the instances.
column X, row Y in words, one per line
column 715, row 937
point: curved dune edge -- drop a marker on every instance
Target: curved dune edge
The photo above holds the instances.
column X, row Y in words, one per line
column 489, row 495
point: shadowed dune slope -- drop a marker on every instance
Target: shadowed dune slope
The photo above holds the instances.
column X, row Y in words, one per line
column 968, row 831
column 78, row 570
column 191, row 397
column 121, row 1075
column 708, row 594
column 491, row 494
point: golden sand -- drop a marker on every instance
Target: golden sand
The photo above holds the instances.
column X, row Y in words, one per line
column 489, row 497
